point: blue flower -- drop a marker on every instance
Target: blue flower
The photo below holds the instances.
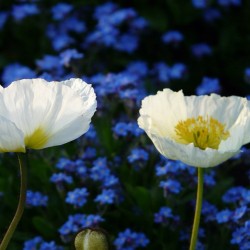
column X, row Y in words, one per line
column 106, row 197
column 201, row 49
column 65, row 164
column 241, row 236
column 48, row 62
column 60, row 10
column 77, row 197
column 224, row 216
column 32, row 244
column 162, row 71
column 36, row 199
column 172, row 36
column 77, row 222
column 178, row 71
column 211, row 14
column 59, row 178
column 129, row 240
column 100, row 169
column 171, row 186
column 237, row 195
column 200, row 4
column 68, row 55
column 19, row 12
column 89, row 153
column 124, row 129
column 247, row 75
column 16, row 71
column 229, row 2
column 239, row 213
column 163, row 215
column 208, row 86
column 3, row 18
column 127, row 43
column 209, row 211
column 138, row 154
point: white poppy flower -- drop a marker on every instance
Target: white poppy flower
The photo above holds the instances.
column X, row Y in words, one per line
column 201, row 131
column 38, row 114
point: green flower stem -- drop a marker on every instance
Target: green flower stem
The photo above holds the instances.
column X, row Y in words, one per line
column 21, row 203
column 198, row 206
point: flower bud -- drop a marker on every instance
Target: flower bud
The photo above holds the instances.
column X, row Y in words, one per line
column 91, row 239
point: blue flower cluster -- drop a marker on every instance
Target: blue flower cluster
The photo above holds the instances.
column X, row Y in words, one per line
column 126, row 52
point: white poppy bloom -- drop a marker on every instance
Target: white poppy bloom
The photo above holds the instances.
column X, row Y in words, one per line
column 201, row 131
column 38, row 114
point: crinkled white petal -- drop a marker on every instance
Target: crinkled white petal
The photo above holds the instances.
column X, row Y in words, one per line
column 160, row 114
column 55, row 110
column 11, row 138
column 189, row 154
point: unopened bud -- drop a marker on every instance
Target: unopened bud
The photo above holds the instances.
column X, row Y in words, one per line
column 91, row 239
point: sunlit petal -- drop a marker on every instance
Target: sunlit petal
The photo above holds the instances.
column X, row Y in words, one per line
column 11, row 138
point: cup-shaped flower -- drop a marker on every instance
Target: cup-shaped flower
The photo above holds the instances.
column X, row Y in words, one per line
column 38, row 114
column 201, row 131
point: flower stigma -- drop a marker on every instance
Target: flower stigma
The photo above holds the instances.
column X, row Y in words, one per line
column 202, row 132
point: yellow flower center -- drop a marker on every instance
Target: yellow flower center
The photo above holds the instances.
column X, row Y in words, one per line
column 37, row 139
column 202, row 132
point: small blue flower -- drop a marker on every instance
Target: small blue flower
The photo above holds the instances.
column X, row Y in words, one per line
column 162, row 71
column 239, row 195
column 163, row 215
column 59, row 178
column 138, row 154
column 201, row 49
column 110, row 181
column 171, row 186
column 32, row 244
column 211, row 14
column 48, row 62
column 173, row 37
column 224, row 216
column 77, row 222
column 247, row 75
column 127, row 43
column 19, row 12
column 77, row 197
column 239, row 213
column 100, row 169
column 241, row 236
column 178, row 71
column 68, row 55
column 106, row 197
column 65, row 164
column 36, row 199
column 60, row 10
column 3, row 18
column 200, row 4
column 229, row 2
column 89, row 153
column 208, row 86
column 16, row 71
column 129, row 240
column 209, row 211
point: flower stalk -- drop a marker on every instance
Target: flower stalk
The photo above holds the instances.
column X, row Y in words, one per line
column 21, row 203
column 198, row 206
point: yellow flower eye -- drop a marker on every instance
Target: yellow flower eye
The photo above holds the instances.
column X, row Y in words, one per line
column 202, row 132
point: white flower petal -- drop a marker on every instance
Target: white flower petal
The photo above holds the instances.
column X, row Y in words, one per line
column 11, row 138
column 189, row 154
